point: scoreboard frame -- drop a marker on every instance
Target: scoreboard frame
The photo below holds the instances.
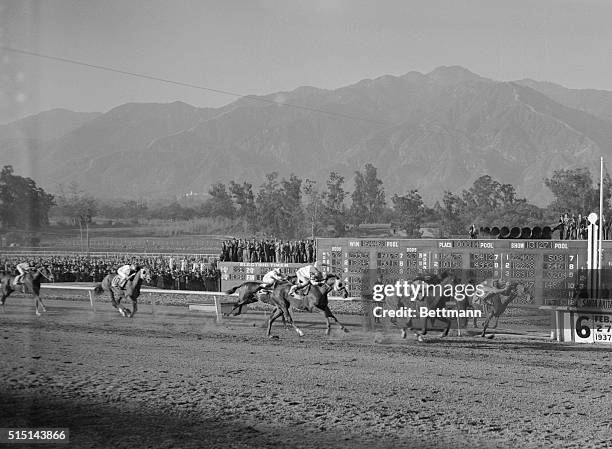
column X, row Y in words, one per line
column 550, row 269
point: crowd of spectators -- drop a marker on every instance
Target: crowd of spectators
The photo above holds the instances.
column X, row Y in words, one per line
column 570, row 227
column 279, row 251
column 168, row 272
column 575, row 227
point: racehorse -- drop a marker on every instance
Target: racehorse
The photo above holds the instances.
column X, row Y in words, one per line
column 131, row 290
column 440, row 282
column 315, row 300
column 30, row 283
column 494, row 305
column 248, row 293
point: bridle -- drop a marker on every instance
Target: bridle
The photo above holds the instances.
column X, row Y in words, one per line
column 145, row 274
column 333, row 286
column 50, row 278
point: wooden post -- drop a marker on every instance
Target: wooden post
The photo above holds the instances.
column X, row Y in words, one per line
column 218, row 310
column 458, row 323
column 91, row 301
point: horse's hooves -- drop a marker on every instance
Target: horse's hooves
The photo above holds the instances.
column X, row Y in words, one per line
column 404, row 333
column 491, row 336
column 273, row 337
column 419, row 338
column 345, row 330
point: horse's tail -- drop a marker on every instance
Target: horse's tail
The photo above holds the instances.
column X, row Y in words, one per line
column 98, row 289
column 233, row 289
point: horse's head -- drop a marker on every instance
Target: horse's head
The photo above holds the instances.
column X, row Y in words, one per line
column 447, row 277
column 46, row 273
column 334, row 283
column 145, row 274
column 518, row 290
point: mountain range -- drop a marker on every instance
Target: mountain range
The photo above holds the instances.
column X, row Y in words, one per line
column 433, row 132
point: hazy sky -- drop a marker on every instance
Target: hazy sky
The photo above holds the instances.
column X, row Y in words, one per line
column 264, row 46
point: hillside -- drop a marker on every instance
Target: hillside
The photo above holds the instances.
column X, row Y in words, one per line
column 435, row 132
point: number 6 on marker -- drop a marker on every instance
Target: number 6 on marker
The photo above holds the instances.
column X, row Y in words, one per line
column 583, row 331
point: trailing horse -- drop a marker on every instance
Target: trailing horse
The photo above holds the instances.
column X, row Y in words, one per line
column 30, row 283
column 496, row 302
column 247, row 294
column 439, row 283
column 315, row 300
column 250, row 292
column 131, row 290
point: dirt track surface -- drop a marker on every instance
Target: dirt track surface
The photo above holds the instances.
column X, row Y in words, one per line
column 177, row 379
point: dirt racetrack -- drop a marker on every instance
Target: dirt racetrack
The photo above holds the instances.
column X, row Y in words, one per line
column 176, row 379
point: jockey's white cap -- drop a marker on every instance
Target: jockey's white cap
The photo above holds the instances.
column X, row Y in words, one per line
column 277, row 270
column 316, row 264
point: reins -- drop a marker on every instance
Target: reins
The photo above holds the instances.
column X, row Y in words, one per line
column 38, row 270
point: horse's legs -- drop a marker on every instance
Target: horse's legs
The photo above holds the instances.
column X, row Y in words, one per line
column 285, row 324
column 287, row 315
column 275, row 314
column 419, row 337
column 328, row 315
column 486, row 324
column 231, row 312
column 36, row 301
column 3, row 301
column 134, row 307
column 42, row 304
column 116, row 303
column 240, row 304
column 496, row 321
column 425, row 321
column 448, row 326
column 408, row 325
column 39, row 300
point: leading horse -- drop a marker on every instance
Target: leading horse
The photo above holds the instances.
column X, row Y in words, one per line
column 315, row 300
column 495, row 301
column 30, row 283
column 131, row 290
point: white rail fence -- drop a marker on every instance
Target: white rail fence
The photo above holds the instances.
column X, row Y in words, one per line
column 219, row 306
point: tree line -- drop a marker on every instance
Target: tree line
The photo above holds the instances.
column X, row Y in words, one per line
column 294, row 207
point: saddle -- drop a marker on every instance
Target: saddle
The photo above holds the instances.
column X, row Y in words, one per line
column 262, row 294
column 299, row 292
column 17, row 281
column 118, row 282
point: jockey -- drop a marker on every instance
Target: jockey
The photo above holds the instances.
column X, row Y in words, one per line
column 491, row 286
column 126, row 272
column 270, row 278
column 23, row 268
column 310, row 274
